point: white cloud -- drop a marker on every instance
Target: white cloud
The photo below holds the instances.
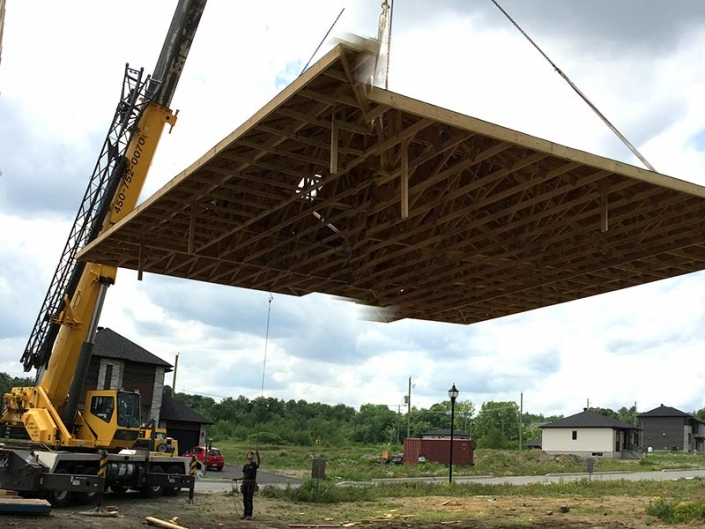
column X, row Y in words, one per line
column 639, row 345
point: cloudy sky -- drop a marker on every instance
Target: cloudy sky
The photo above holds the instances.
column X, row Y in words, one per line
column 640, row 61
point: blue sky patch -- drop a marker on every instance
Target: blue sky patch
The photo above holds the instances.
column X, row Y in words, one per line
column 291, row 71
column 697, row 140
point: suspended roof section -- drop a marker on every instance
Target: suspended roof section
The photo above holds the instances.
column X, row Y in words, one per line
column 338, row 188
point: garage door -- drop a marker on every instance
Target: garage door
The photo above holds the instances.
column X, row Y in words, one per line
column 186, row 438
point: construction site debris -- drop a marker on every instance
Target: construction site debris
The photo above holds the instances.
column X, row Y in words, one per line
column 163, row 523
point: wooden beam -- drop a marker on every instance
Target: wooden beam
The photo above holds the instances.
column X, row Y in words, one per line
column 140, row 261
column 192, row 228
column 312, row 120
column 604, row 220
column 442, row 115
column 474, row 221
column 404, row 180
column 333, row 145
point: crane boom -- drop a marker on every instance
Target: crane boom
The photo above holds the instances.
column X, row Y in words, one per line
column 89, row 219
column 176, row 47
column 71, row 453
column 61, row 344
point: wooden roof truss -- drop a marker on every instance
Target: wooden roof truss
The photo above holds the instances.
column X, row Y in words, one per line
column 340, row 188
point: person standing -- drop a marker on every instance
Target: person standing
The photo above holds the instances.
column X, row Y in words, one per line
column 249, row 482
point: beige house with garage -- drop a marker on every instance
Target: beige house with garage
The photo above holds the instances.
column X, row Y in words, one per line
column 590, row 434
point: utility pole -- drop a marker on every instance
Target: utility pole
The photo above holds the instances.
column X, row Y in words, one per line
column 173, row 384
column 636, row 420
column 408, row 411
column 521, row 412
column 398, row 420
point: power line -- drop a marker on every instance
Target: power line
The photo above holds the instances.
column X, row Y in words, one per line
column 578, row 91
column 322, row 41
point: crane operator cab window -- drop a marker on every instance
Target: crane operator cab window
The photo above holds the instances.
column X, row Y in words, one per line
column 103, row 407
column 128, row 410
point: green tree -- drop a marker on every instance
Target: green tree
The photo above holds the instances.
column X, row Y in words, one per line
column 198, row 403
column 627, row 415
column 497, row 425
column 7, row 382
column 605, row 411
column 374, row 423
column 437, row 417
column 342, row 413
column 239, row 410
column 531, row 426
column 699, row 415
column 464, row 415
column 419, row 422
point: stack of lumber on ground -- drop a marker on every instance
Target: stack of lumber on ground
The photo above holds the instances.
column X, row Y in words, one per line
column 11, row 502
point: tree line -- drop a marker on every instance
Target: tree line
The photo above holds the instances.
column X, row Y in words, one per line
column 306, row 423
column 496, row 424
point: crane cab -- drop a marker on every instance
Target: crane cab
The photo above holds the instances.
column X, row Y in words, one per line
column 114, row 417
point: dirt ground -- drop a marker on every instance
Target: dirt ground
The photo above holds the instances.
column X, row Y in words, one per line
column 221, row 511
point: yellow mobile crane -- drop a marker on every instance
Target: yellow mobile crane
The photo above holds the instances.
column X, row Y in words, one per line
column 65, row 450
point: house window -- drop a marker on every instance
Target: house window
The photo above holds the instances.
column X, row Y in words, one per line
column 102, row 407
column 108, row 376
column 575, row 435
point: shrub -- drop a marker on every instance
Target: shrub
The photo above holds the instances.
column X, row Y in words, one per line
column 267, row 438
column 319, row 491
column 677, row 511
column 221, row 430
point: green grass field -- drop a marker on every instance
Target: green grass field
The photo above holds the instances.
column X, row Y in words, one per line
column 679, row 501
column 365, row 462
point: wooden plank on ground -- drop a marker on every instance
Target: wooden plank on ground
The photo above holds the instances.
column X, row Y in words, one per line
column 24, row 505
column 151, row 520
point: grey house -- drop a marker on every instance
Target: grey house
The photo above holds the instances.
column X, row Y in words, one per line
column 590, row 434
column 667, row 428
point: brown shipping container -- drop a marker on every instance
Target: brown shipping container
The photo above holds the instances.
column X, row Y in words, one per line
column 438, row 450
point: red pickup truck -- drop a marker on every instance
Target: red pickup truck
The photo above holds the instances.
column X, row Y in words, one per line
column 213, row 458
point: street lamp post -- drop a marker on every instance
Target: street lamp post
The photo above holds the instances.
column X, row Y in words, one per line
column 453, row 394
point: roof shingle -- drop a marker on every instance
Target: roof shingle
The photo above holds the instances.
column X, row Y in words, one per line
column 664, row 411
column 110, row 344
column 173, row 410
column 589, row 419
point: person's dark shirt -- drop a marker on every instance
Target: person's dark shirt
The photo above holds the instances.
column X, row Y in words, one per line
column 249, row 471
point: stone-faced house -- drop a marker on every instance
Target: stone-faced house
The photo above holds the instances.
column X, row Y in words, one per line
column 590, row 434
column 667, row 428
column 120, row 363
